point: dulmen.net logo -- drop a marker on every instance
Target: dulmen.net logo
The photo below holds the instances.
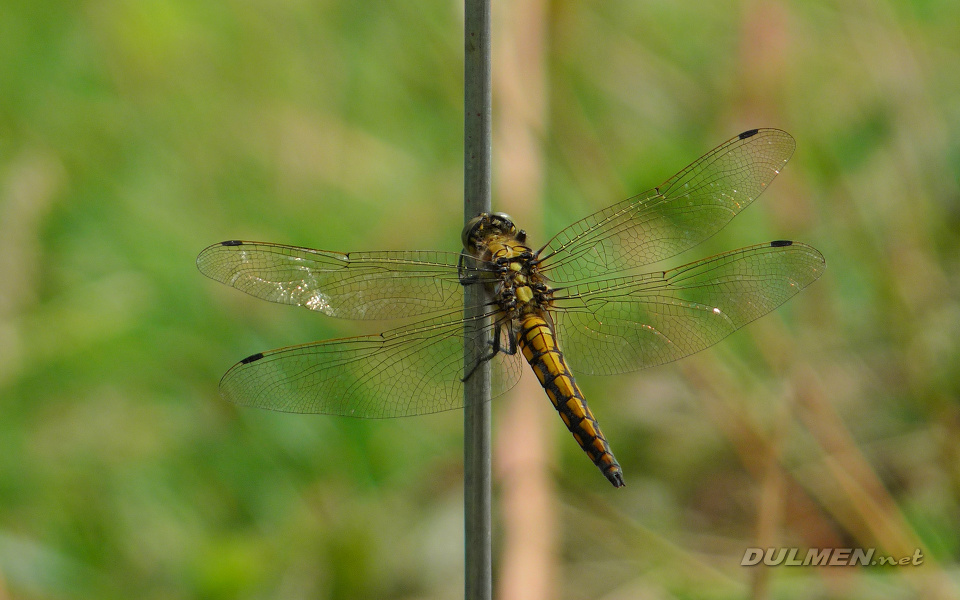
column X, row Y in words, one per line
column 825, row 557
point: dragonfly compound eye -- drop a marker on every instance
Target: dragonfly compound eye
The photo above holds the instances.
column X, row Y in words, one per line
column 504, row 223
column 472, row 229
column 484, row 225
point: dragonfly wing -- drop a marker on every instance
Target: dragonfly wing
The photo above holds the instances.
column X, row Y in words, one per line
column 688, row 208
column 358, row 285
column 624, row 324
column 411, row 370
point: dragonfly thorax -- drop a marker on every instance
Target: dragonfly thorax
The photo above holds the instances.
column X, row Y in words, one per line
column 518, row 287
column 521, row 289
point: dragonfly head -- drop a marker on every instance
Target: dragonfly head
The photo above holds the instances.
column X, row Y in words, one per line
column 485, row 225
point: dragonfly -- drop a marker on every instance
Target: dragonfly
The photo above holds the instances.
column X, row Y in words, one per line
column 575, row 305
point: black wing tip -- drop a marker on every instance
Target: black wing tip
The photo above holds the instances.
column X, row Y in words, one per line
column 252, row 358
column 769, row 131
column 800, row 246
column 204, row 256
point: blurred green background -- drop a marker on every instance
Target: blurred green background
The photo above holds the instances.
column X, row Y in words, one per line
column 134, row 133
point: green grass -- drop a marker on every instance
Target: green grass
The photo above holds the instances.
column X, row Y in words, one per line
column 133, row 134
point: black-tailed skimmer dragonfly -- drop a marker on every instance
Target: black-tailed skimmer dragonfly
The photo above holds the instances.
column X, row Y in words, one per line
column 573, row 293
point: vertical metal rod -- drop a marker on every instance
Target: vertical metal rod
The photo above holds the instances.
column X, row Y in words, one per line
column 476, row 199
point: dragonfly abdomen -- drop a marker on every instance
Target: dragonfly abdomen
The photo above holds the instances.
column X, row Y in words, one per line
column 540, row 349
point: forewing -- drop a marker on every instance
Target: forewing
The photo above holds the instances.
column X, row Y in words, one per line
column 624, row 324
column 688, row 208
column 358, row 285
column 412, row 370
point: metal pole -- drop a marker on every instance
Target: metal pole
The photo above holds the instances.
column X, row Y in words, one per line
column 476, row 394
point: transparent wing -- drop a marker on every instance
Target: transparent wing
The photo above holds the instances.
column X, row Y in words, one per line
column 625, row 324
column 411, row 370
column 688, row 208
column 358, row 285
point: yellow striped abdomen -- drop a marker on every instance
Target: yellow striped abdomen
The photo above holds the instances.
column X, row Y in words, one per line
column 540, row 349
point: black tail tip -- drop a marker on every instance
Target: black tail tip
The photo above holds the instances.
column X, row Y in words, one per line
column 616, row 477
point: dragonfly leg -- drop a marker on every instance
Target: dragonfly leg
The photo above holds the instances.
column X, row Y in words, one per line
column 482, row 271
column 464, row 278
column 495, row 348
column 513, row 344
